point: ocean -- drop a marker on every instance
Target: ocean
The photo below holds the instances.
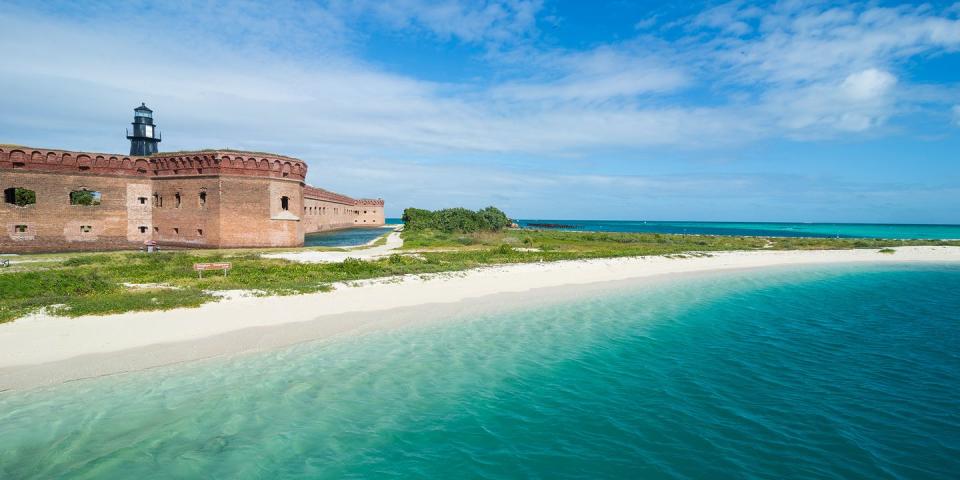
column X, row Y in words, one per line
column 347, row 237
column 845, row 372
column 819, row 230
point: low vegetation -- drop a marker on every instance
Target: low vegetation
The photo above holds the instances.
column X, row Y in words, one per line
column 602, row 244
column 79, row 284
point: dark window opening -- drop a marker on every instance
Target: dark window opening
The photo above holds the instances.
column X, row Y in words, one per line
column 176, row 199
column 285, row 203
column 86, row 228
column 176, row 231
column 156, row 229
column 19, row 164
column 142, row 200
column 20, row 228
column 203, row 198
column 143, row 229
column 84, row 168
column 85, row 197
column 200, row 232
column 20, row 197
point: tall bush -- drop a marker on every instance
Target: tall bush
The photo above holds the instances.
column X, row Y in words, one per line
column 460, row 220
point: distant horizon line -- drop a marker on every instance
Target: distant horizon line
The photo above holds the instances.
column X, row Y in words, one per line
column 731, row 221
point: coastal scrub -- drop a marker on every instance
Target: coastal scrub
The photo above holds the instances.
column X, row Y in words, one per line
column 84, row 283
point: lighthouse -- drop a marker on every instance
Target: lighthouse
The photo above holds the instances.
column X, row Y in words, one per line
column 145, row 136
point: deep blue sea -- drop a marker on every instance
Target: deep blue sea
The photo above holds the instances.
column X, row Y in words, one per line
column 347, row 237
column 819, row 372
column 820, row 230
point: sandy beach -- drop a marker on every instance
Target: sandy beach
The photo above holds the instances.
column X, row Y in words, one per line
column 41, row 349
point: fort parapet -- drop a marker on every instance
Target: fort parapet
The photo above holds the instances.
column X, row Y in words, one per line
column 57, row 200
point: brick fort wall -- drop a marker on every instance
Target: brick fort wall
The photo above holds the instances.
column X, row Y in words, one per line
column 206, row 199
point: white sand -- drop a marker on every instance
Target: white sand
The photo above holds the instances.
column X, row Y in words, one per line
column 116, row 343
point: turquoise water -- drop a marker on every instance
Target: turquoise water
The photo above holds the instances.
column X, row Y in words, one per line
column 820, row 230
column 347, row 237
column 841, row 372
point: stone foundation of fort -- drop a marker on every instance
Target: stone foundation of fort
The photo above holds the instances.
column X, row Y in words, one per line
column 57, row 200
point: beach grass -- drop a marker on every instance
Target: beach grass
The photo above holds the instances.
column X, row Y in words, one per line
column 615, row 244
column 101, row 283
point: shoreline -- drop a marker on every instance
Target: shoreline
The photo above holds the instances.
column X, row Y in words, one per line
column 41, row 350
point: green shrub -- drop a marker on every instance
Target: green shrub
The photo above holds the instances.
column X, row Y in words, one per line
column 84, row 197
column 20, row 197
column 355, row 266
column 459, row 220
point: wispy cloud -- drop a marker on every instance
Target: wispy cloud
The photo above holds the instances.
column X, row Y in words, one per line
column 798, row 42
column 600, row 74
column 491, row 22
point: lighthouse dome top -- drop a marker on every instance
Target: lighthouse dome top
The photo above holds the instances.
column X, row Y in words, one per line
column 143, row 111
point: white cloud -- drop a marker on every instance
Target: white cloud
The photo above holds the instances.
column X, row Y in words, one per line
column 862, row 101
column 869, row 84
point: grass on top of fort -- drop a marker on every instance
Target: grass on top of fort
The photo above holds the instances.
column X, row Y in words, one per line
column 81, row 284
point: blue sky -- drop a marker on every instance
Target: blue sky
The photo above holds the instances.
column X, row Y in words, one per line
column 775, row 111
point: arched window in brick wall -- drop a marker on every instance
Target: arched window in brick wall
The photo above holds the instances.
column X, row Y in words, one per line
column 285, row 203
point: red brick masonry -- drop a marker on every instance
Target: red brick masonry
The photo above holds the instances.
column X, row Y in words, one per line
column 214, row 199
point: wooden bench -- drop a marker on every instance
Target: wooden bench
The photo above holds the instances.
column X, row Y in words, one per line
column 201, row 267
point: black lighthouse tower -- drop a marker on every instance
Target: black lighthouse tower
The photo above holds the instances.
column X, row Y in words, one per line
column 145, row 136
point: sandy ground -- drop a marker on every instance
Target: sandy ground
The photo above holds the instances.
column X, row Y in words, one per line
column 41, row 349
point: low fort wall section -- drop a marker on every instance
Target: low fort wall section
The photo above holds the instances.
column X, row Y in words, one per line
column 325, row 210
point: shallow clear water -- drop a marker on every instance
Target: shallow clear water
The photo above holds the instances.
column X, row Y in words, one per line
column 820, row 230
column 347, row 237
column 841, row 372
